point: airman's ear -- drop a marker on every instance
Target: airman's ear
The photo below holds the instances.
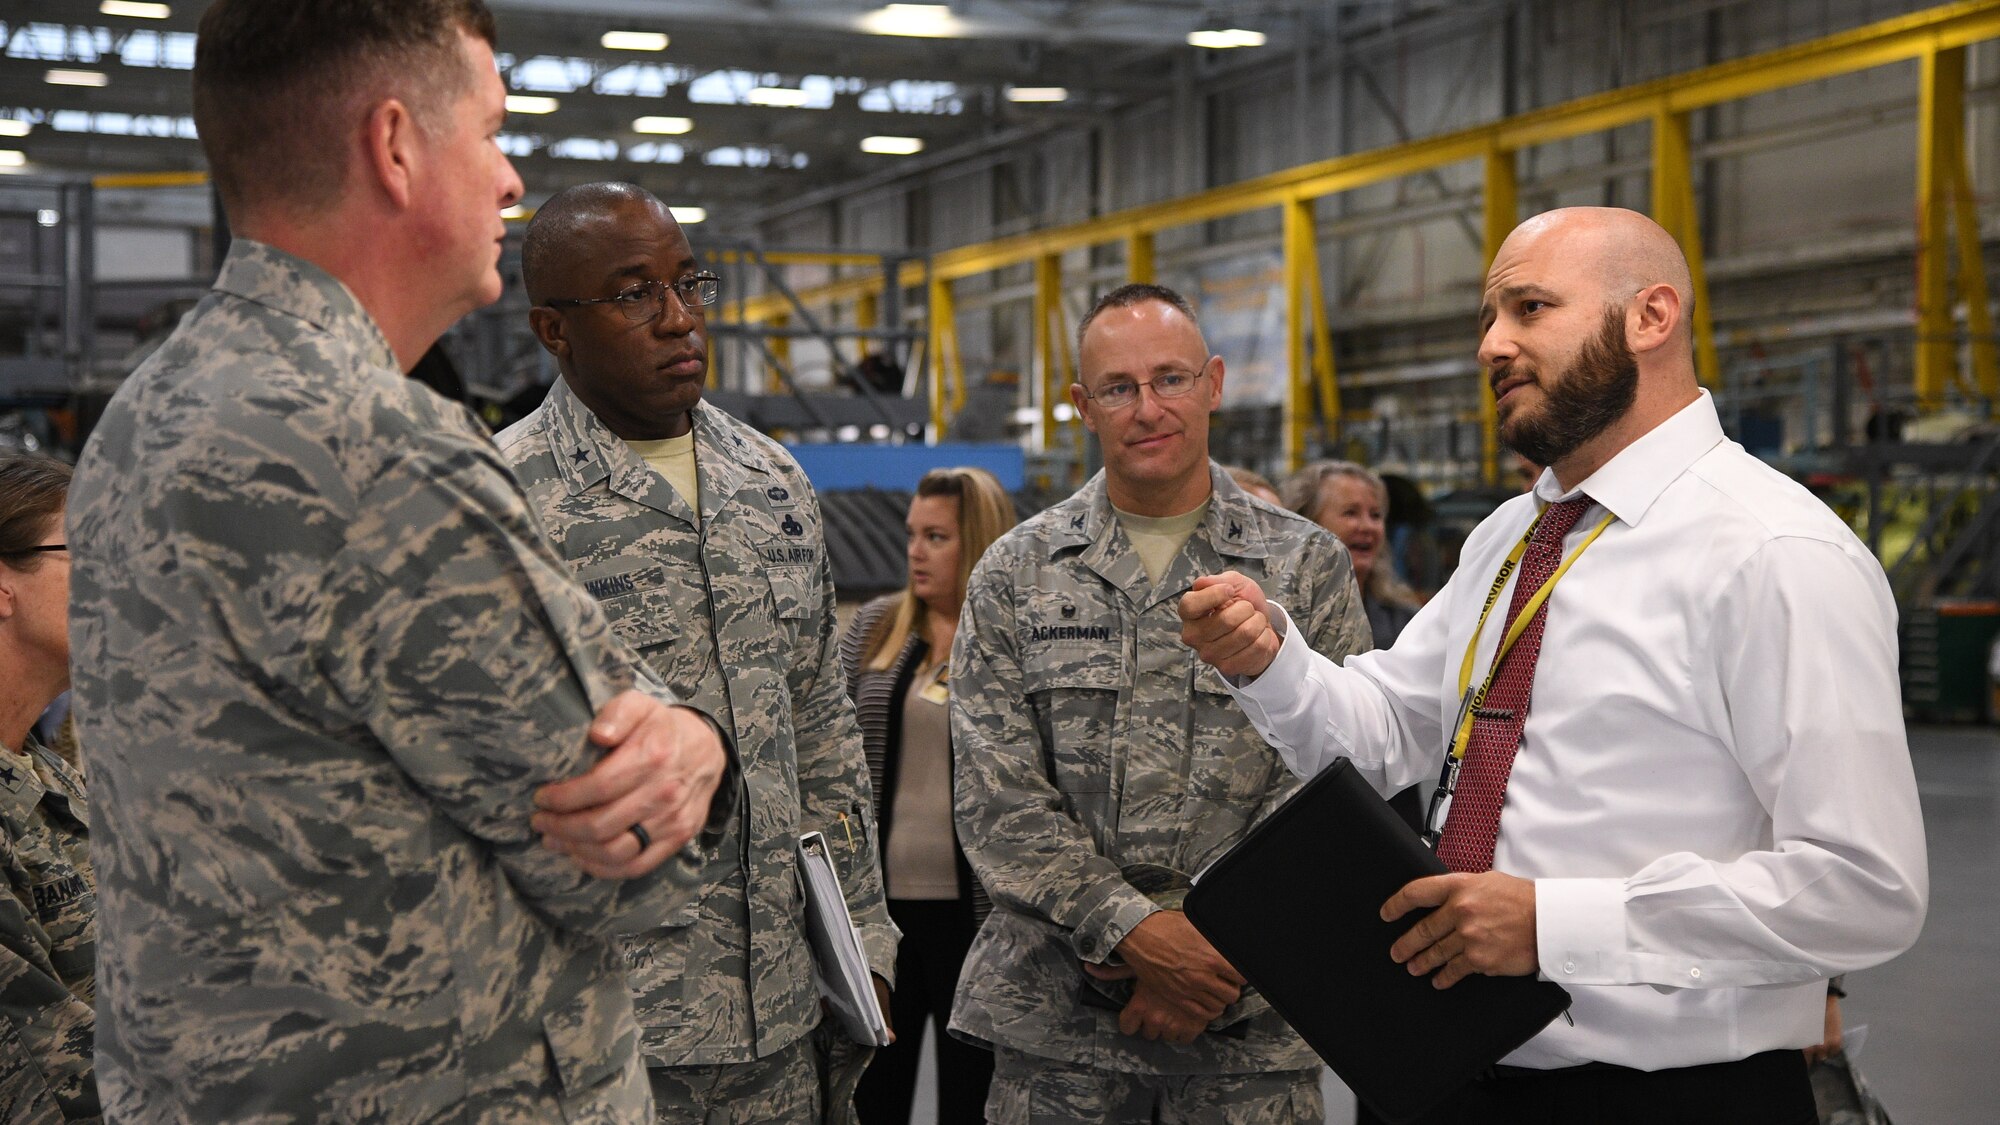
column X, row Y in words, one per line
column 551, row 330
column 389, row 141
column 1080, row 400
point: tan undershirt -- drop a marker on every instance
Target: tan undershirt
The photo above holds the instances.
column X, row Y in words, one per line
column 673, row 458
column 922, row 859
column 1158, row 539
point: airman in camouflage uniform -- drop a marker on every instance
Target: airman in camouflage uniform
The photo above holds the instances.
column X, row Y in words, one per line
column 334, row 688
column 1099, row 764
column 731, row 603
column 48, row 941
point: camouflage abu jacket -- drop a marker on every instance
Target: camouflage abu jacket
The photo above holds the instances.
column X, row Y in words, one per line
column 322, row 659
column 737, row 616
column 48, row 942
column 1099, row 765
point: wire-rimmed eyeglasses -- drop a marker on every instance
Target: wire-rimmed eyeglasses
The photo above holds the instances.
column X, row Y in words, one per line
column 647, row 299
column 1125, row 392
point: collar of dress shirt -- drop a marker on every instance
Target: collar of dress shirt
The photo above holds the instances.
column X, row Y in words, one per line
column 1628, row 484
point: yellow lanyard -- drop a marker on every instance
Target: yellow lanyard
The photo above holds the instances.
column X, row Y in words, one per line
column 1470, row 704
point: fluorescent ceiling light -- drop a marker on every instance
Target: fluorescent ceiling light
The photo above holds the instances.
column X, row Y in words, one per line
column 527, row 103
column 688, row 215
column 782, row 97
column 1225, row 39
column 76, row 78
column 12, row 158
column 892, row 146
column 634, row 41
column 922, row 21
column 131, row 10
column 1037, row 94
column 10, row 127
column 663, row 126
column 48, row 216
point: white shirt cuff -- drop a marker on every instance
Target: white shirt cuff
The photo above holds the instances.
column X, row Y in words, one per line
column 1580, row 929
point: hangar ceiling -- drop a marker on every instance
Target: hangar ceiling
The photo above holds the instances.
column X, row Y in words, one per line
column 731, row 106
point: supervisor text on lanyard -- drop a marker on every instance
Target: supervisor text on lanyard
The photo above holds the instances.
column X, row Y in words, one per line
column 1471, row 700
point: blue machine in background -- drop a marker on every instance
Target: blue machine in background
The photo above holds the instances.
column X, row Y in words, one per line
column 897, row 468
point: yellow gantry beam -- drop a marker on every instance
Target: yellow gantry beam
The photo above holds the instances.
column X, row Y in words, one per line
column 1048, row 293
column 1502, row 212
column 1940, row 112
column 1674, row 208
column 1139, row 258
column 1924, row 35
column 1945, row 203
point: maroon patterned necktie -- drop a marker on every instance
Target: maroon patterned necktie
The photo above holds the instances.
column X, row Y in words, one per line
column 1473, row 823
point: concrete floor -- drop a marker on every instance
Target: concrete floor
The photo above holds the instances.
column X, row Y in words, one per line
column 1933, row 1014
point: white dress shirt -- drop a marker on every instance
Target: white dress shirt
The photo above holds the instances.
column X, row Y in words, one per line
column 1713, row 793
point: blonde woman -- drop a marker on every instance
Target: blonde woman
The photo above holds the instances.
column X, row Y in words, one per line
column 896, row 654
column 1353, row 503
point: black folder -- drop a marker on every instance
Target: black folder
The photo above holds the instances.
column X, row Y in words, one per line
column 1296, row 907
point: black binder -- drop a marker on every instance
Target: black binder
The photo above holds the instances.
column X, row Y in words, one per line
column 1296, row 907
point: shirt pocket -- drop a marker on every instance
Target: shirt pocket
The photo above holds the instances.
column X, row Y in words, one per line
column 593, row 1043
column 1076, row 691
column 636, row 596
column 1227, row 761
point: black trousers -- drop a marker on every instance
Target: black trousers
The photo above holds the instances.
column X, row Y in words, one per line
column 1766, row 1089
column 936, row 936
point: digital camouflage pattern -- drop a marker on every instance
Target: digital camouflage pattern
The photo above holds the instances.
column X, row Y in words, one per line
column 322, row 659
column 779, row 1089
column 1099, row 764
column 48, row 941
column 1028, row 1090
column 737, row 615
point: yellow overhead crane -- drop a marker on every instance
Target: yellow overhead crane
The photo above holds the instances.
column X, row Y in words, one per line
column 1935, row 37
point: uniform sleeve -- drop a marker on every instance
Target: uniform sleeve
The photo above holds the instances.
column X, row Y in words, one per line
column 1803, row 643
column 46, row 1033
column 835, row 796
column 452, row 629
column 1335, row 623
column 1015, row 827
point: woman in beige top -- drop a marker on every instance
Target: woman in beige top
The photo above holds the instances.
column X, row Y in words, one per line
column 896, row 654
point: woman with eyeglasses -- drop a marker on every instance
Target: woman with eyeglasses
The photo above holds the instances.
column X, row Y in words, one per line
column 896, row 653
column 48, row 925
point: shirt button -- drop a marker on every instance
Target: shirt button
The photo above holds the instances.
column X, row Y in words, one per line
column 1695, row 973
column 1569, row 966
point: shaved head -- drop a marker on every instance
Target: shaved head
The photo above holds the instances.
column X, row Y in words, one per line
column 1624, row 250
column 552, row 233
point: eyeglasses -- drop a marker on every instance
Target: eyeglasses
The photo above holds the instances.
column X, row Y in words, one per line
column 1167, row 384
column 37, row 548
column 646, row 300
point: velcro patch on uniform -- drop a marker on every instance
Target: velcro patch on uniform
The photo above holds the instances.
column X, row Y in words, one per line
column 56, row 894
column 1044, row 634
column 621, row 577
column 785, row 554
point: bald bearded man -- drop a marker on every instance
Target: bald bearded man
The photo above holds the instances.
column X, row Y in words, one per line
column 1665, row 686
